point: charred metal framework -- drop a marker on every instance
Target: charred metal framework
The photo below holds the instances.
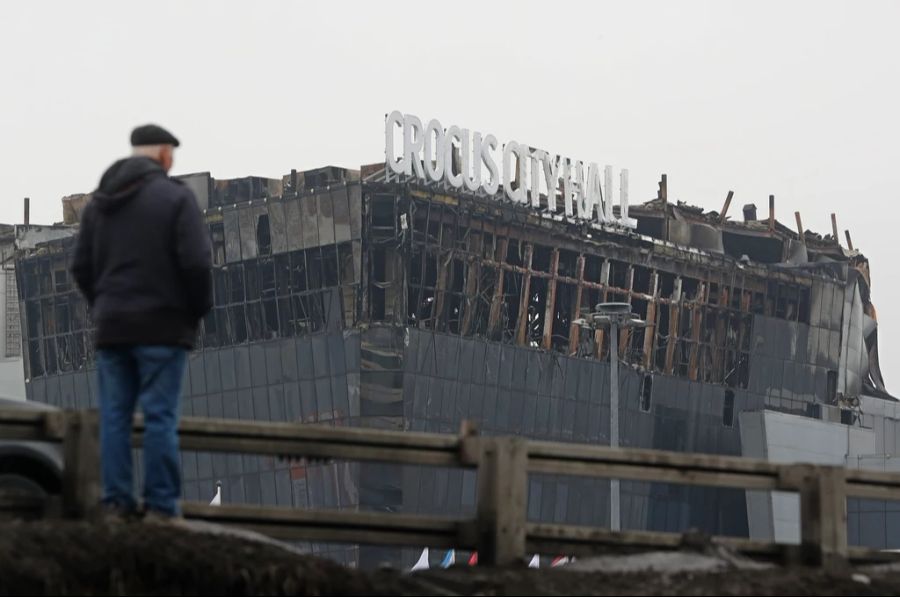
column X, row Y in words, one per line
column 284, row 266
column 302, row 261
column 472, row 267
column 292, row 265
column 269, row 283
column 472, row 271
column 13, row 322
column 55, row 319
column 292, row 259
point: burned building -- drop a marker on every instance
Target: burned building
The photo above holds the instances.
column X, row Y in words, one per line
column 362, row 298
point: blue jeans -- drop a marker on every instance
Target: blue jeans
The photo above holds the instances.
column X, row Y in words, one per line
column 151, row 376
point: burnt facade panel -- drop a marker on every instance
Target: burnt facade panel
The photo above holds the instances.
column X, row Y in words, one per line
column 405, row 306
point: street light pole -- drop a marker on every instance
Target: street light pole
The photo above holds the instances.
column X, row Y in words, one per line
column 614, row 315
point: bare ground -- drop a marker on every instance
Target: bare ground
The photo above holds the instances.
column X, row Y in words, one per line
column 53, row 558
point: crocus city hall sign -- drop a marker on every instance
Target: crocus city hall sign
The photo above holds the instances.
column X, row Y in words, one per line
column 546, row 182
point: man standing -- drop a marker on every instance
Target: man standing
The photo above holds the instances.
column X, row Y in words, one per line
column 143, row 263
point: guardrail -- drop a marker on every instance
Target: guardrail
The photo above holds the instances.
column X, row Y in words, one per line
column 500, row 531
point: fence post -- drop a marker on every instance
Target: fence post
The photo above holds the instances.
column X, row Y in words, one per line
column 502, row 500
column 823, row 513
column 81, row 453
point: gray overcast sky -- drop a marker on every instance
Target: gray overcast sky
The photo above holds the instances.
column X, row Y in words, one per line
column 797, row 99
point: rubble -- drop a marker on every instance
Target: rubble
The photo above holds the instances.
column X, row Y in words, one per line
column 64, row 558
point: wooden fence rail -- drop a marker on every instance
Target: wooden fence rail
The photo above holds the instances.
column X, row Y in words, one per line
column 500, row 531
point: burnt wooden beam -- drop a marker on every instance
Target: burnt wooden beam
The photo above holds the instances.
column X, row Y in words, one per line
column 719, row 340
column 626, row 331
column 473, row 270
column 440, row 290
column 599, row 334
column 800, row 232
column 550, row 308
column 674, row 317
column 725, row 207
column 524, row 297
column 696, row 326
column 652, row 324
column 574, row 329
column 497, row 299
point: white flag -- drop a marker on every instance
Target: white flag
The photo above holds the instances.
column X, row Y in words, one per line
column 422, row 564
column 535, row 561
column 217, row 499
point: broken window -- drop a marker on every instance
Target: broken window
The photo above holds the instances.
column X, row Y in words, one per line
column 47, row 315
column 255, row 327
column 61, row 280
column 267, row 285
column 79, row 319
column 210, row 333
column 728, row 409
column 50, row 352
column 217, row 239
column 848, row 416
column 298, row 280
column 33, row 318
column 44, row 277
column 282, row 275
column 13, row 322
column 263, row 235
column 30, row 276
column 285, row 326
column 270, row 314
column 646, row 392
column 35, row 360
column 235, row 283
column 65, row 353
column 379, row 282
column 237, row 324
column 62, row 318
column 831, row 383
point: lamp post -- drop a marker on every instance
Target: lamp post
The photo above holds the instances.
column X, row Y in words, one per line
column 614, row 316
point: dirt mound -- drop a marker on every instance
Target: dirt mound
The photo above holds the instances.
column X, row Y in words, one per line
column 790, row 581
column 60, row 558
column 53, row 558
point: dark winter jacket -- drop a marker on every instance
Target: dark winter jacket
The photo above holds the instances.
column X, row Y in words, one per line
column 143, row 258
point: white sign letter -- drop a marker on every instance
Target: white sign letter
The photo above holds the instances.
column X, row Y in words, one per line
column 608, row 193
column 471, row 162
column 412, row 145
column 594, row 194
column 551, row 176
column 488, row 146
column 434, row 146
column 537, row 158
column 454, row 178
column 578, row 191
column 517, row 194
column 566, row 176
column 393, row 120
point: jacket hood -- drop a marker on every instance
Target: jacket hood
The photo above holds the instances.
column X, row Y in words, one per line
column 123, row 180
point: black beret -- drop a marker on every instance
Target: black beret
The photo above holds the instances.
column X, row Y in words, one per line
column 151, row 134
